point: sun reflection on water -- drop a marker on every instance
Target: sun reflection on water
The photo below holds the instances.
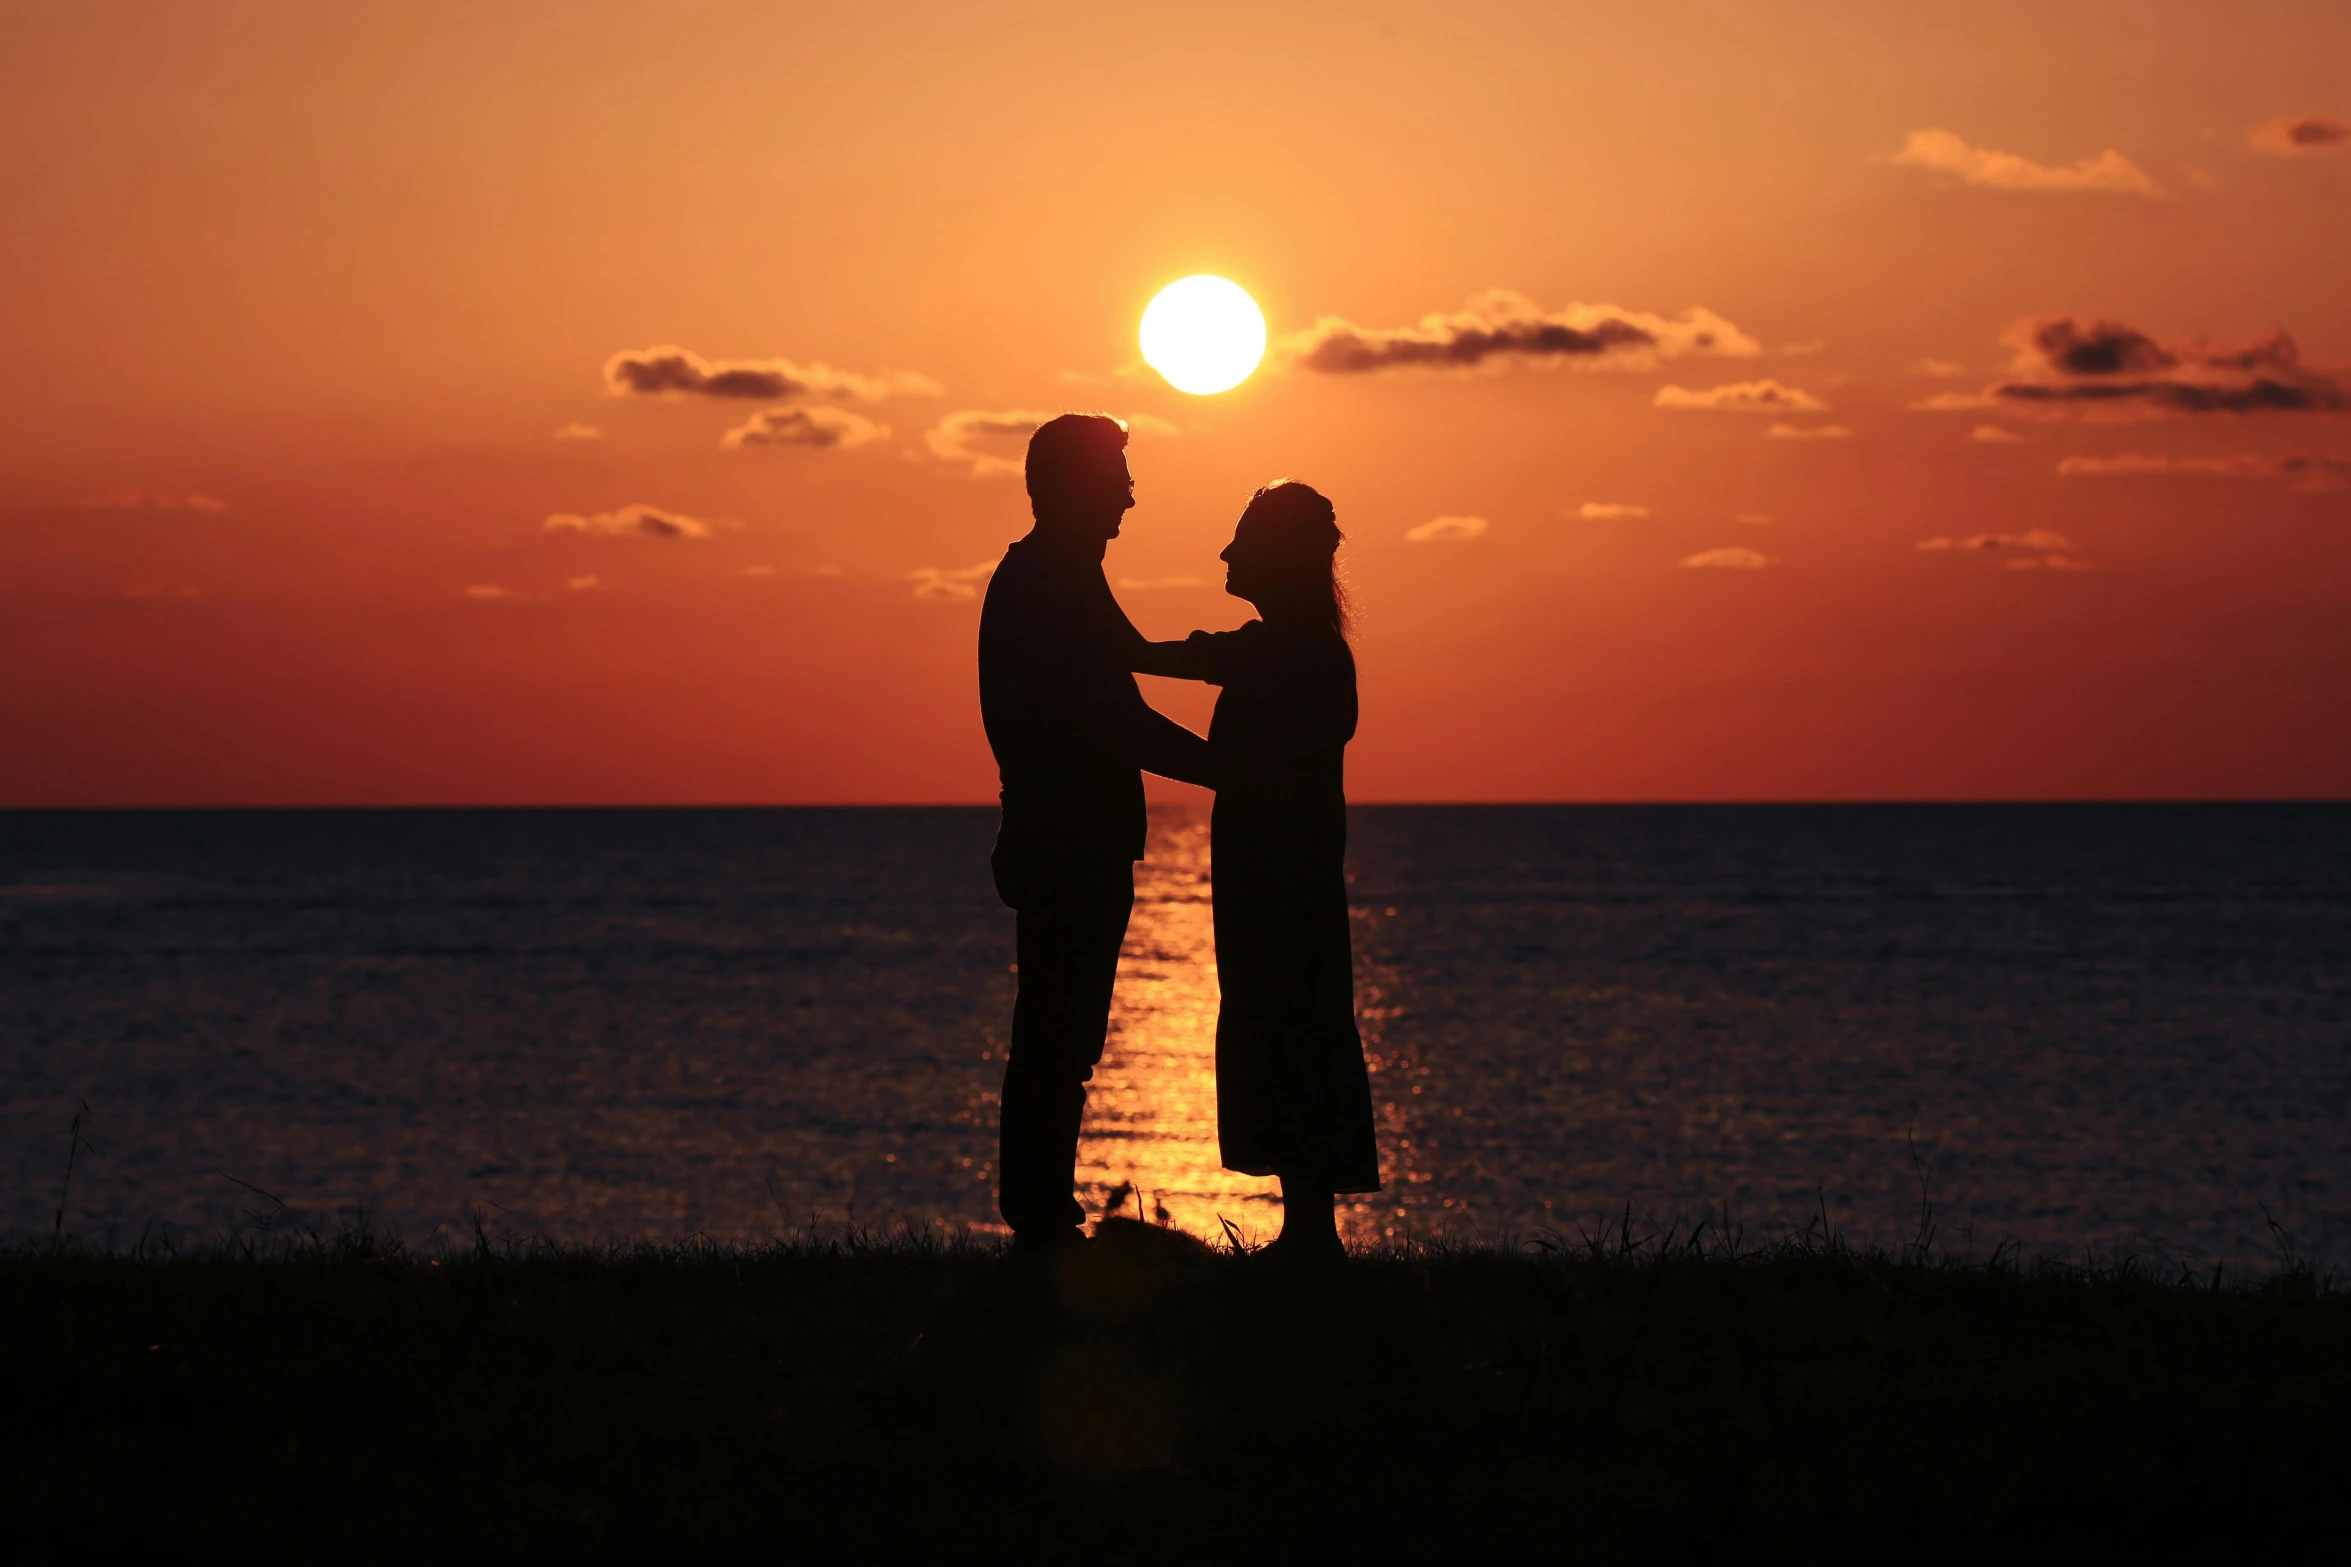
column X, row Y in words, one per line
column 1151, row 1112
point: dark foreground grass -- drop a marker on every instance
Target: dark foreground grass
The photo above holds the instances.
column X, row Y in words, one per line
column 912, row 1398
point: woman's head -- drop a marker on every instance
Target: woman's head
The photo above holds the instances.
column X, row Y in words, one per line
column 1283, row 557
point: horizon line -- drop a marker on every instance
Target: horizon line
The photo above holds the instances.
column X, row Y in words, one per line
column 1693, row 803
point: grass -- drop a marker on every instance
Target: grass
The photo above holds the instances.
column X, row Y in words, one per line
column 1150, row 1400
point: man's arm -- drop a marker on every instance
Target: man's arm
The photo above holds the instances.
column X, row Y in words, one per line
column 1186, row 660
column 1163, row 746
column 1157, row 743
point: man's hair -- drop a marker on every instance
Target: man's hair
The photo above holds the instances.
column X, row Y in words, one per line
column 1063, row 447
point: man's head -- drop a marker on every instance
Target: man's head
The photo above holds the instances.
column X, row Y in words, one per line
column 1077, row 472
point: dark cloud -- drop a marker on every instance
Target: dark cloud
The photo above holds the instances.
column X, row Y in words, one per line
column 2300, row 135
column 2305, row 475
column 2037, row 550
column 2099, row 348
column 820, row 428
column 2064, row 365
column 673, row 371
column 630, row 522
column 1500, row 328
column 1342, row 348
column 2036, row 539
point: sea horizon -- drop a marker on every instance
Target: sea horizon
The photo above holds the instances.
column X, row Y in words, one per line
column 653, row 1021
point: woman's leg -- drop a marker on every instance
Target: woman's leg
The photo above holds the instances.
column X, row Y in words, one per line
column 1310, row 1220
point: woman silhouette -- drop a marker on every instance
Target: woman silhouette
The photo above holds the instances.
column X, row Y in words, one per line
column 1292, row 1096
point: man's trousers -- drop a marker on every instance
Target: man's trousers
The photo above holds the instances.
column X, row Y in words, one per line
column 1072, row 898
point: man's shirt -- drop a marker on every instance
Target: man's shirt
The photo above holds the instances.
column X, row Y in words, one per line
column 1070, row 729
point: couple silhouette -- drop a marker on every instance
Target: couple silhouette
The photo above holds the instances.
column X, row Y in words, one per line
column 1073, row 736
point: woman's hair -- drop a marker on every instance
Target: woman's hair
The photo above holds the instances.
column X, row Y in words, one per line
column 1305, row 527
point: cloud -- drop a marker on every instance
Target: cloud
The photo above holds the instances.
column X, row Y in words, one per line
column 1500, row 329
column 2064, row 365
column 827, row 570
column 637, row 521
column 1809, row 432
column 993, row 442
column 2064, row 346
column 2046, row 563
column 1735, row 558
column 1937, row 367
column 673, row 371
column 2243, row 465
column 817, row 428
column 961, row 583
column 2303, row 475
column 1765, row 397
column 964, row 435
column 2037, row 539
column 1754, row 519
column 1153, row 584
column 1993, row 435
column 2301, row 136
column 1946, row 153
column 1446, row 530
column 1953, row 402
column 1593, row 511
column 579, row 584
column 576, row 431
column 487, row 591
column 134, row 500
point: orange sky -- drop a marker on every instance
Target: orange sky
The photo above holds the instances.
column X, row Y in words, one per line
column 298, row 297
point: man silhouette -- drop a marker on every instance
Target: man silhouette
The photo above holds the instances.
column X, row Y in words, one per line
column 1072, row 736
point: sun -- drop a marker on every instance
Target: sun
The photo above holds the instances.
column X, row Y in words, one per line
column 1204, row 334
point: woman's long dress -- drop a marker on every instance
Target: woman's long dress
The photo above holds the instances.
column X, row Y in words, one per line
column 1291, row 1091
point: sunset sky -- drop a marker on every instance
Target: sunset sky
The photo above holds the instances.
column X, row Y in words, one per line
column 584, row 402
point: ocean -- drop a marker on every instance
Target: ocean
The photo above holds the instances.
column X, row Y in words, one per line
column 2081, row 1030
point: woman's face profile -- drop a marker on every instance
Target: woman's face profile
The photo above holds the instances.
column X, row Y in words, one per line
column 1246, row 568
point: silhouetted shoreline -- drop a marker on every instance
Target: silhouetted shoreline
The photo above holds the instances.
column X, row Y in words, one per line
column 852, row 1394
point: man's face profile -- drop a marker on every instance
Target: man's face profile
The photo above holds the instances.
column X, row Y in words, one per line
column 1101, row 492
column 1118, row 492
